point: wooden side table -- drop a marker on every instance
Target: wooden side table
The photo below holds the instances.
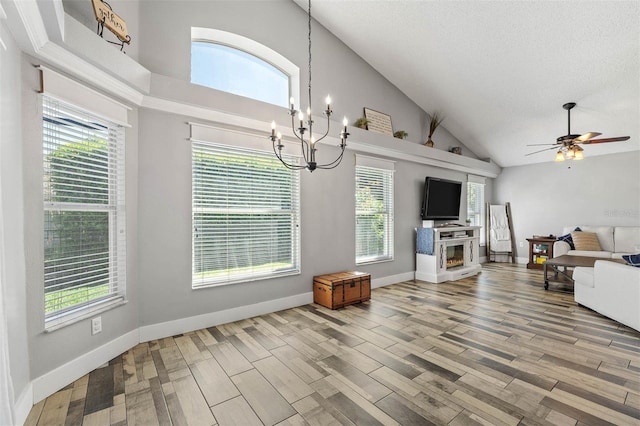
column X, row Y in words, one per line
column 540, row 249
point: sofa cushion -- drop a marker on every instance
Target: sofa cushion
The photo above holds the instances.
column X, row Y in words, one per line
column 605, row 235
column 567, row 239
column 632, row 259
column 585, row 241
column 627, row 239
column 599, row 254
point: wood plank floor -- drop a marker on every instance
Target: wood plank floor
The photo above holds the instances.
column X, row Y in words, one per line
column 493, row 349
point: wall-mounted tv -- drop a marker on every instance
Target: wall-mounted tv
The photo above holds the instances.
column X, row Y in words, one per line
column 441, row 199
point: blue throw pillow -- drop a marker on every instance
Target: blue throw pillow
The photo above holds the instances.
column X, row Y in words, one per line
column 567, row 238
column 632, row 259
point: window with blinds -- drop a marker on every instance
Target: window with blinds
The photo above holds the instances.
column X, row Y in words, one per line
column 84, row 209
column 246, row 215
column 374, row 214
column 475, row 206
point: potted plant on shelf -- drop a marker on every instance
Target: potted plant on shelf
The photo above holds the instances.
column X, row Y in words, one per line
column 361, row 123
column 436, row 120
column 400, row 134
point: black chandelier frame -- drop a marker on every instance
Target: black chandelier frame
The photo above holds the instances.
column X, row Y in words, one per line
column 308, row 145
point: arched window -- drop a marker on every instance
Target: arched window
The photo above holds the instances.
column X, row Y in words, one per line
column 238, row 65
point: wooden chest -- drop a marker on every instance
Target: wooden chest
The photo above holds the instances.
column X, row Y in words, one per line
column 342, row 288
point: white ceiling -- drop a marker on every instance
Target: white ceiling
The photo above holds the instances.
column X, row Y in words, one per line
column 500, row 71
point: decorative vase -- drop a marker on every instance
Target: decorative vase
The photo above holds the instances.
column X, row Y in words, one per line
column 429, row 142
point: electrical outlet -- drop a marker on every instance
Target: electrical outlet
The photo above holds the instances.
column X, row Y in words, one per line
column 521, row 244
column 96, row 325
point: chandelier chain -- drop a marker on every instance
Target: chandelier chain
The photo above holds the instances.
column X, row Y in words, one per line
column 309, row 22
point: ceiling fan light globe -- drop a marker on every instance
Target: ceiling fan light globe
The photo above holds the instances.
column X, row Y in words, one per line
column 570, row 154
column 559, row 156
column 579, row 156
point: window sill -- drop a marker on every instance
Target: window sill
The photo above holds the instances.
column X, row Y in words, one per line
column 372, row 261
column 242, row 280
column 67, row 319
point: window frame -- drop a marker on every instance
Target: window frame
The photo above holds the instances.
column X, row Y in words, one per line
column 200, row 282
column 368, row 167
column 251, row 47
column 478, row 215
column 75, row 136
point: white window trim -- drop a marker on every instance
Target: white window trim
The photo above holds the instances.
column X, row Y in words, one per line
column 254, row 48
column 389, row 166
column 201, row 133
column 56, row 86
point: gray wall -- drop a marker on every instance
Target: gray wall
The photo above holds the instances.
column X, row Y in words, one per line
column 13, row 261
column 603, row 190
column 327, row 230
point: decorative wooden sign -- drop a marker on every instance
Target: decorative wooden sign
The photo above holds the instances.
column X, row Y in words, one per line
column 378, row 122
column 108, row 18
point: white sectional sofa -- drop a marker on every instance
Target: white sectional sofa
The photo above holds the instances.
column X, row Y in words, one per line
column 609, row 288
column 615, row 241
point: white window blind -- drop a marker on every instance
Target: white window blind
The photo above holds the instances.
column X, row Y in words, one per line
column 84, row 209
column 475, row 204
column 246, row 215
column 374, row 212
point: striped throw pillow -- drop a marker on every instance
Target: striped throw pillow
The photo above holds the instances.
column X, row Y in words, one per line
column 585, row 241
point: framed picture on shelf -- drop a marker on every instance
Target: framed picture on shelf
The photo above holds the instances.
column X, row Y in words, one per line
column 378, row 122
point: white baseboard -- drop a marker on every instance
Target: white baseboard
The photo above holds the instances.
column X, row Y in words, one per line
column 23, row 405
column 392, row 279
column 183, row 325
column 54, row 380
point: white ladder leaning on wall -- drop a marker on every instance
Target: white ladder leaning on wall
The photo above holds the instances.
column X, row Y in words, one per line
column 499, row 229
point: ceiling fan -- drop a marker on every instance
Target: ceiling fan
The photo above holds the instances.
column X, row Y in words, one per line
column 568, row 146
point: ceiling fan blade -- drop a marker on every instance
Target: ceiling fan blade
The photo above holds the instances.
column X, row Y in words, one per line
column 542, row 150
column 543, row 144
column 605, row 140
column 587, row 136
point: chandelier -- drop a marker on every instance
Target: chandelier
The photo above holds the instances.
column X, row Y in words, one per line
column 308, row 143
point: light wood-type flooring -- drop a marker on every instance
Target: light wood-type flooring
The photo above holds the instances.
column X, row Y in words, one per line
column 493, row 349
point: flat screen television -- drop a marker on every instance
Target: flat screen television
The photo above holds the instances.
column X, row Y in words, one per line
column 441, row 199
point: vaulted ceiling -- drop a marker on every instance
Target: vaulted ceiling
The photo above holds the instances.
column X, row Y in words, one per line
column 500, row 71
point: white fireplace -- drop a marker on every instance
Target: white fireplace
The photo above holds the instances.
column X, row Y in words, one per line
column 454, row 254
